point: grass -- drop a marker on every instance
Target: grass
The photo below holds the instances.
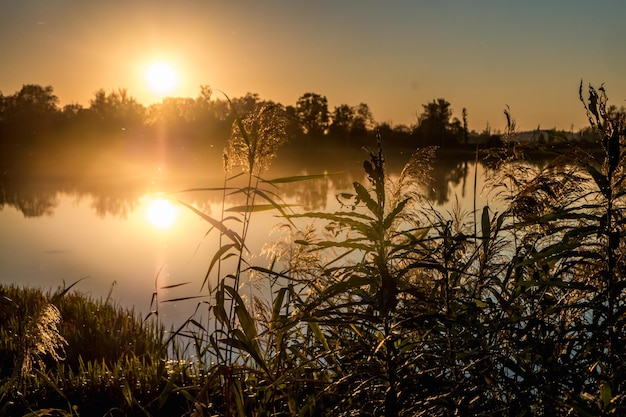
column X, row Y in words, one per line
column 384, row 308
column 67, row 351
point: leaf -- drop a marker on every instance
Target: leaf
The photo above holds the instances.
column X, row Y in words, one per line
column 277, row 206
column 218, row 255
column 277, row 307
column 44, row 412
column 593, row 102
column 486, row 228
column 613, row 151
column 253, row 208
column 245, row 320
column 392, row 216
column 167, row 287
column 480, row 303
column 317, row 332
column 364, row 196
column 130, row 399
column 48, row 381
column 271, row 272
column 194, row 190
column 219, row 308
column 607, row 395
column 369, row 169
column 173, row 300
column 338, row 216
column 351, row 220
column 65, row 290
column 208, row 273
column 128, row 395
column 166, row 391
column 350, row 244
column 296, row 178
column 352, row 283
column 217, row 224
column 241, row 341
column 601, row 180
column 197, row 324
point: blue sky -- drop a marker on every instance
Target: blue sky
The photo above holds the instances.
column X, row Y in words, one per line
column 392, row 55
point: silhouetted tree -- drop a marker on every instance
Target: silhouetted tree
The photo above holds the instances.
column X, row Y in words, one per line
column 27, row 114
column 210, row 109
column 434, row 125
column 342, row 119
column 312, row 111
column 116, row 111
column 214, row 116
column 206, row 93
column 350, row 124
column 72, row 123
column 35, row 100
column 363, row 120
column 174, row 120
column 398, row 136
column 292, row 126
column 72, row 110
column 173, row 112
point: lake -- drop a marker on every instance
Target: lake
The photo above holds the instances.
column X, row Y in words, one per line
column 116, row 232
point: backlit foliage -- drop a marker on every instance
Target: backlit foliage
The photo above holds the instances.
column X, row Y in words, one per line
column 256, row 138
column 42, row 338
column 387, row 307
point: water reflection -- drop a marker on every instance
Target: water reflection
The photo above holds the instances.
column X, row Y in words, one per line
column 448, row 174
column 119, row 197
column 160, row 212
column 31, row 199
column 114, row 229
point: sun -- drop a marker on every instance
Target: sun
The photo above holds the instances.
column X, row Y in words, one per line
column 161, row 77
column 161, row 213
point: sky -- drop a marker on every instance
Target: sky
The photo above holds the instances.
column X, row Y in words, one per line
column 395, row 56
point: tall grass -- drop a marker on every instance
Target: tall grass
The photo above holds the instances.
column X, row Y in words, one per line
column 401, row 310
column 79, row 355
column 228, row 342
column 386, row 307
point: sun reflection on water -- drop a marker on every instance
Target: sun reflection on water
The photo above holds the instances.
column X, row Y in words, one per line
column 161, row 213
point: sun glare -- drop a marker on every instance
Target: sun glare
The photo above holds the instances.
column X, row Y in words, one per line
column 162, row 78
column 161, row 213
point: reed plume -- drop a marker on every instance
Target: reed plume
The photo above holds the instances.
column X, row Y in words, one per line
column 42, row 338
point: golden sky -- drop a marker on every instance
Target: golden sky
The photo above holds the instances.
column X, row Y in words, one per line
column 393, row 55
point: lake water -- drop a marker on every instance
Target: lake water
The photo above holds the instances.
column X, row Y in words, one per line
column 102, row 228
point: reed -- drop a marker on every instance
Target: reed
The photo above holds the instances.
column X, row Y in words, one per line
column 386, row 307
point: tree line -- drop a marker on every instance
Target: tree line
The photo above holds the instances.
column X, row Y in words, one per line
column 33, row 114
column 36, row 130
